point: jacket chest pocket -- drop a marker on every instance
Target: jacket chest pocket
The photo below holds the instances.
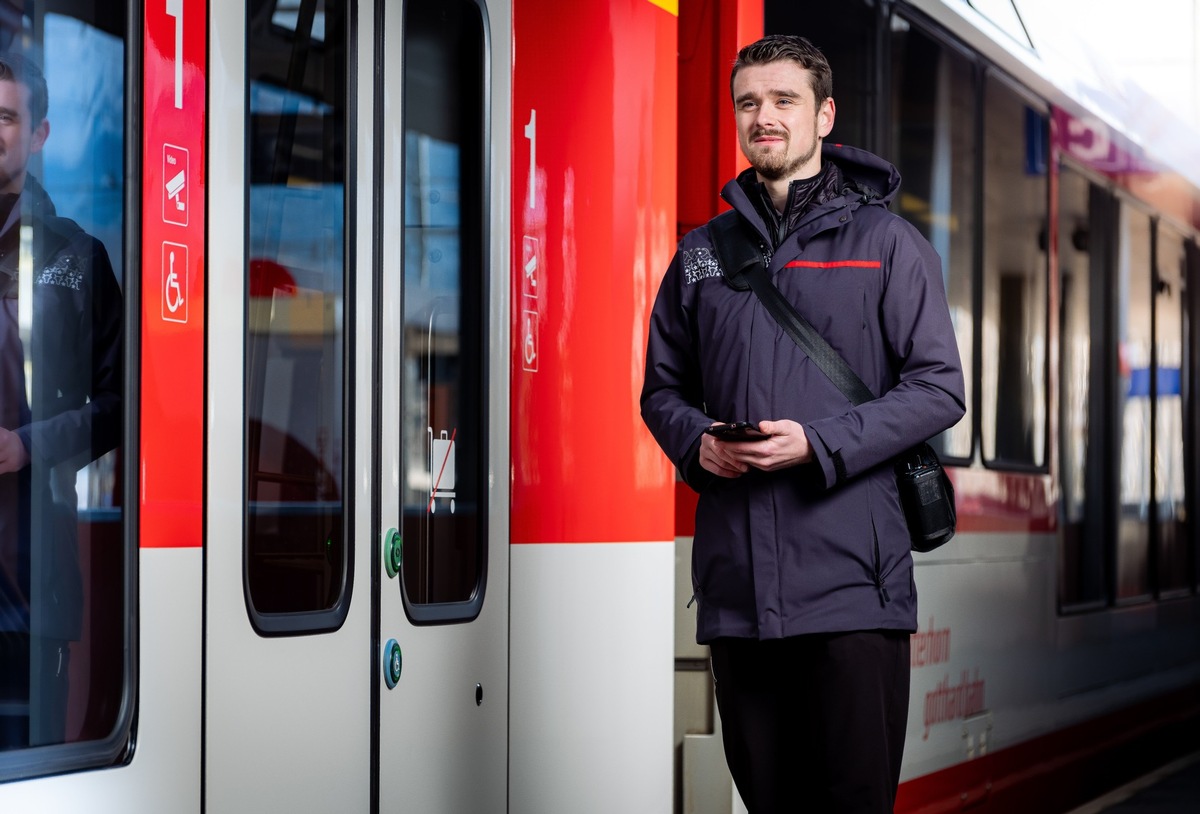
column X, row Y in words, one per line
column 839, row 300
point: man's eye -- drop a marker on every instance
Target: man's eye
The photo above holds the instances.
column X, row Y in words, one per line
column 784, row 102
column 748, row 105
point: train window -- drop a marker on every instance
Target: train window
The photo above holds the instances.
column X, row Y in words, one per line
column 1191, row 428
column 1174, row 556
column 1132, row 426
column 1084, row 215
column 445, row 393
column 65, row 555
column 933, row 145
column 1015, row 261
column 846, row 33
column 1122, row 417
column 296, row 556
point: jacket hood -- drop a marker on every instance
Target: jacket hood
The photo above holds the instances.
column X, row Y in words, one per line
column 875, row 179
column 33, row 203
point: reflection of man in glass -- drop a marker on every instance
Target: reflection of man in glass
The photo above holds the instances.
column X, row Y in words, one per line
column 60, row 390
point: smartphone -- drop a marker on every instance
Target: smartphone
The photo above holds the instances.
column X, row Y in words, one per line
column 737, row 431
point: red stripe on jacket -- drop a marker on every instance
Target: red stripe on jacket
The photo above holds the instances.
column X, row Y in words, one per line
column 814, row 264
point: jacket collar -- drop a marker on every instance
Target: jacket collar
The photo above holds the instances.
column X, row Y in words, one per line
column 856, row 178
column 33, row 204
column 803, row 196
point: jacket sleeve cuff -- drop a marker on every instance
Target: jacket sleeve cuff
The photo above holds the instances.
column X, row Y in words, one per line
column 26, row 438
column 693, row 474
column 833, row 468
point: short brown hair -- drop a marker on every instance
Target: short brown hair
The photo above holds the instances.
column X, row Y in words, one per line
column 778, row 47
column 17, row 68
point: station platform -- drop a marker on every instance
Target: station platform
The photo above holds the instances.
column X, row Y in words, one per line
column 1171, row 789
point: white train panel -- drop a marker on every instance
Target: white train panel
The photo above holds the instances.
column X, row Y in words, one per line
column 589, row 734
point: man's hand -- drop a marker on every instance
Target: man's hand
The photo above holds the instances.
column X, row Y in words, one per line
column 13, row 456
column 787, row 446
column 717, row 456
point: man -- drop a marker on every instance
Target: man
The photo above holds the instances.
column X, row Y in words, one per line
column 802, row 568
column 60, row 390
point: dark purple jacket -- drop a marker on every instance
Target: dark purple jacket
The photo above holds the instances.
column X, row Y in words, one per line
column 66, row 413
column 822, row 547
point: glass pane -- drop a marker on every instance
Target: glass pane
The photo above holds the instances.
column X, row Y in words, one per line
column 444, row 388
column 934, row 149
column 1081, row 223
column 1133, row 403
column 1013, row 377
column 1169, row 458
column 63, row 616
column 845, row 32
column 296, row 556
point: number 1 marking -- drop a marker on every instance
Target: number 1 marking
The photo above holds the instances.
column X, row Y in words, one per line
column 531, row 134
column 175, row 9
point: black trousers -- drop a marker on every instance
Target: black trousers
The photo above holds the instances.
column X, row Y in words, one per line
column 814, row 723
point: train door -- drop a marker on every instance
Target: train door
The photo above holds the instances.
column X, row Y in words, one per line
column 443, row 417
column 356, row 596
column 287, row 525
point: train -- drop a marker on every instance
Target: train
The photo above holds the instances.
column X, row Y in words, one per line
column 384, row 531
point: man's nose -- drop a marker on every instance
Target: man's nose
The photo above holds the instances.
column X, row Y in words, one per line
column 766, row 116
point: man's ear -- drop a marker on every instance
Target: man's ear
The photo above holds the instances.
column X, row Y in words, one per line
column 40, row 134
column 825, row 117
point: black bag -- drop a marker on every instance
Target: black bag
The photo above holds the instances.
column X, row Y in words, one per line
column 927, row 496
column 926, row 493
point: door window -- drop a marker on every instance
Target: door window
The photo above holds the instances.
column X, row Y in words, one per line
column 444, row 378
column 297, row 559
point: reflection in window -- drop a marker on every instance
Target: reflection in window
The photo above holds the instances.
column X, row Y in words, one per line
column 294, row 16
column 1014, row 280
column 846, row 33
column 64, row 620
column 1083, row 217
column 933, row 133
column 296, row 554
column 1133, row 332
column 444, row 388
column 1169, row 459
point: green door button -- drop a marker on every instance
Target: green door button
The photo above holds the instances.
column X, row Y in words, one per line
column 393, row 662
column 393, row 552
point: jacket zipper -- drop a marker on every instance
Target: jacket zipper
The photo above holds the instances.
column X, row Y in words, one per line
column 880, row 582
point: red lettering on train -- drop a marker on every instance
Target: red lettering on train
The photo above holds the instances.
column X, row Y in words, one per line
column 929, row 646
column 953, row 702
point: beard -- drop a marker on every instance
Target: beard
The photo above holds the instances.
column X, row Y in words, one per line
column 773, row 165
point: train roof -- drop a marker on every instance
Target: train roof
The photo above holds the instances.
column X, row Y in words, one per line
column 1035, row 43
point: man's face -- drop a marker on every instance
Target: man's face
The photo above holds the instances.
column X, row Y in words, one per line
column 20, row 136
column 780, row 124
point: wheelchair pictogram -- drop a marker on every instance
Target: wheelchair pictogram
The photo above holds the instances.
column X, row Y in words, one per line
column 529, row 341
column 175, row 282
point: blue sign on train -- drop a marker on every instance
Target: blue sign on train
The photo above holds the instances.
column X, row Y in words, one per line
column 1139, row 382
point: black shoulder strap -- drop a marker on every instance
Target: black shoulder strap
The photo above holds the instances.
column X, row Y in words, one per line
column 736, row 251
column 742, row 263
